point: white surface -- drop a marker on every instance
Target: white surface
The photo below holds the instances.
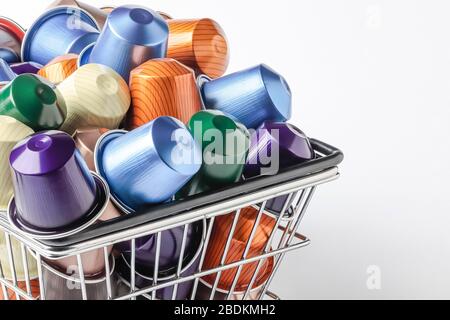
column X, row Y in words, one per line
column 371, row 77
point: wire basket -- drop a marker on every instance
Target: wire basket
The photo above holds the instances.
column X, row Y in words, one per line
column 239, row 244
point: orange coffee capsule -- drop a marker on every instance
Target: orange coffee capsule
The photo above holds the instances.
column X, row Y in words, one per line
column 34, row 286
column 199, row 44
column 244, row 227
column 60, row 68
column 162, row 87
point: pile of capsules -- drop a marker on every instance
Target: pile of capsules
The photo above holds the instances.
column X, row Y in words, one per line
column 104, row 112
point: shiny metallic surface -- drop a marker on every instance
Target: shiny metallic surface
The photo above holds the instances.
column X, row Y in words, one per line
column 162, row 87
column 33, row 101
column 52, row 185
column 222, row 293
column 11, row 37
column 252, row 96
column 26, row 67
column 98, row 14
column 60, row 286
column 223, row 165
column 250, row 226
column 135, row 34
column 170, row 251
column 35, row 292
column 85, row 140
column 90, row 218
column 95, row 96
column 201, row 44
column 6, row 74
column 60, row 68
column 162, row 153
column 145, row 278
column 59, row 31
column 289, row 142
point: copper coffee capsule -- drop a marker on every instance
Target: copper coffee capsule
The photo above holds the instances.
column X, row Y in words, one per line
column 199, row 44
column 162, row 87
column 219, row 237
column 60, row 68
column 34, row 286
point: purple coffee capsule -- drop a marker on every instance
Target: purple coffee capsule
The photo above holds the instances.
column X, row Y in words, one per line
column 276, row 146
column 55, row 194
column 26, row 67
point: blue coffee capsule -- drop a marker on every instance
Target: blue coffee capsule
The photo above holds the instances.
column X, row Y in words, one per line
column 9, row 55
column 252, row 96
column 148, row 165
column 6, row 74
column 57, row 32
column 132, row 35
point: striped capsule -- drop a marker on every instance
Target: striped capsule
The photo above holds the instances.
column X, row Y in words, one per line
column 60, row 68
column 162, row 87
column 200, row 44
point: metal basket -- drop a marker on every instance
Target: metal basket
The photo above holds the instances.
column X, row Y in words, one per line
column 296, row 184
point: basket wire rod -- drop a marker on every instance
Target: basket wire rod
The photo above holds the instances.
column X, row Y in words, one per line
column 269, row 244
column 181, row 260
column 225, row 253
column 157, row 256
column 303, row 243
column 108, row 273
column 10, row 287
column 26, row 270
column 291, row 238
column 289, row 226
column 82, row 279
column 11, row 262
column 2, row 276
column 133, row 268
column 202, row 259
column 41, row 277
column 247, row 249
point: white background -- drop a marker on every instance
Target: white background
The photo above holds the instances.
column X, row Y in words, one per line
column 371, row 77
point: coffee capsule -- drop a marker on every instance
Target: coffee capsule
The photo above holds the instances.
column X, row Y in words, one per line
column 225, row 145
column 162, row 87
column 56, row 282
column 223, row 293
column 238, row 245
column 55, row 193
column 33, row 101
column 144, row 275
column 200, row 44
column 95, row 96
column 11, row 37
column 134, row 34
column 57, row 32
column 98, row 14
column 252, row 96
column 60, row 68
column 276, row 146
column 123, row 160
column 22, row 285
column 26, row 67
column 6, row 74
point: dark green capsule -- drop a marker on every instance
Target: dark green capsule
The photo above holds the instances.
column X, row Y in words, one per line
column 225, row 145
column 33, row 101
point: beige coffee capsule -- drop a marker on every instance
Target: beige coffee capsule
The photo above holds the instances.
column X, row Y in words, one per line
column 11, row 132
column 95, row 96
